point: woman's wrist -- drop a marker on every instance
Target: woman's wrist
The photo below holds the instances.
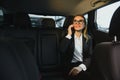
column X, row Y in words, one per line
column 68, row 36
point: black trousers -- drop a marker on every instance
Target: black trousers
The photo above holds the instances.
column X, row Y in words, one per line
column 83, row 75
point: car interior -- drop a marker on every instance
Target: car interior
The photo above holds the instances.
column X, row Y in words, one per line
column 31, row 32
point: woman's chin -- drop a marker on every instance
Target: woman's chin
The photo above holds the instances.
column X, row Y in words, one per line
column 78, row 30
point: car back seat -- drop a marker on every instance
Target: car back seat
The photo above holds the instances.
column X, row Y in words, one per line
column 16, row 61
column 49, row 57
column 29, row 37
column 105, row 62
column 18, row 26
column 114, row 29
column 21, row 57
column 44, row 42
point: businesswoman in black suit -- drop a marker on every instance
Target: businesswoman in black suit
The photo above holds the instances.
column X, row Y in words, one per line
column 77, row 49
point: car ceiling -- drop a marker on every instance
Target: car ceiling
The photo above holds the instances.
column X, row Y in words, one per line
column 53, row 7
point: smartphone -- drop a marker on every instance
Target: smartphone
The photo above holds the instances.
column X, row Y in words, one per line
column 73, row 30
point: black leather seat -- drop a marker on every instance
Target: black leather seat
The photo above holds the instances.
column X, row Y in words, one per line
column 18, row 51
column 115, row 25
column 105, row 62
column 20, row 29
column 29, row 37
column 17, row 20
column 47, row 23
column 21, row 20
column 16, row 61
column 106, row 55
column 49, row 57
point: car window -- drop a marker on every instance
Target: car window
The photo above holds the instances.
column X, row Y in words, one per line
column 35, row 19
column 104, row 15
column 86, row 17
column 1, row 16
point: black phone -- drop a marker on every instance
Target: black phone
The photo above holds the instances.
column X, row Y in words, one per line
column 73, row 30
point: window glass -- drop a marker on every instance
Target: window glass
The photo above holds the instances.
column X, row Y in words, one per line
column 86, row 17
column 1, row 16
column 35, row 19
column 104, row 16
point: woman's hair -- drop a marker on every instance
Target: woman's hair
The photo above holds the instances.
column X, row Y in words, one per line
column 85, row 34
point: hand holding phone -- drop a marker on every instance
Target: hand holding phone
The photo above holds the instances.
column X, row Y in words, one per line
column 70, row 29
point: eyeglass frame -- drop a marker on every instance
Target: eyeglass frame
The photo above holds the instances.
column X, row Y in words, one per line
column 79, row 21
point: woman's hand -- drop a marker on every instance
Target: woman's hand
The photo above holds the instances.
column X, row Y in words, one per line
column 70, row 30
column 75, row 71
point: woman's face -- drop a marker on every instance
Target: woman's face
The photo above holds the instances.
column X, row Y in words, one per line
column 78, row 23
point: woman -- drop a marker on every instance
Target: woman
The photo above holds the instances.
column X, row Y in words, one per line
column 77, row 48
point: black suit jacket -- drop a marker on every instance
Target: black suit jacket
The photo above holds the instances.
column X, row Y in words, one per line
column 67, row 50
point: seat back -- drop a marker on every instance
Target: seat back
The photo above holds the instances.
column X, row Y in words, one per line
column 21, row 20
column 29, row 37
column 105, row 61
column 17, row 61
column 17, row 20
column 44, row 42
column 49, row 57
column 107, row 54
column 114, row 29
column 47, row 23
column 18, row 26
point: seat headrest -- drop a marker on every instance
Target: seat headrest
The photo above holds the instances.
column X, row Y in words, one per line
column 22, row 20
column 48, row 23
column 17, row 20
column 115, row 24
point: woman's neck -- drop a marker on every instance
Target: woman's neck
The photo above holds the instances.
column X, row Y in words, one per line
column 78, row 34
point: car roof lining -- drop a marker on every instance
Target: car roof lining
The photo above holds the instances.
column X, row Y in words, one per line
column 53, row 7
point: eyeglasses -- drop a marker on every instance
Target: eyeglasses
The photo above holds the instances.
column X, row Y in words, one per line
column 78, row 21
